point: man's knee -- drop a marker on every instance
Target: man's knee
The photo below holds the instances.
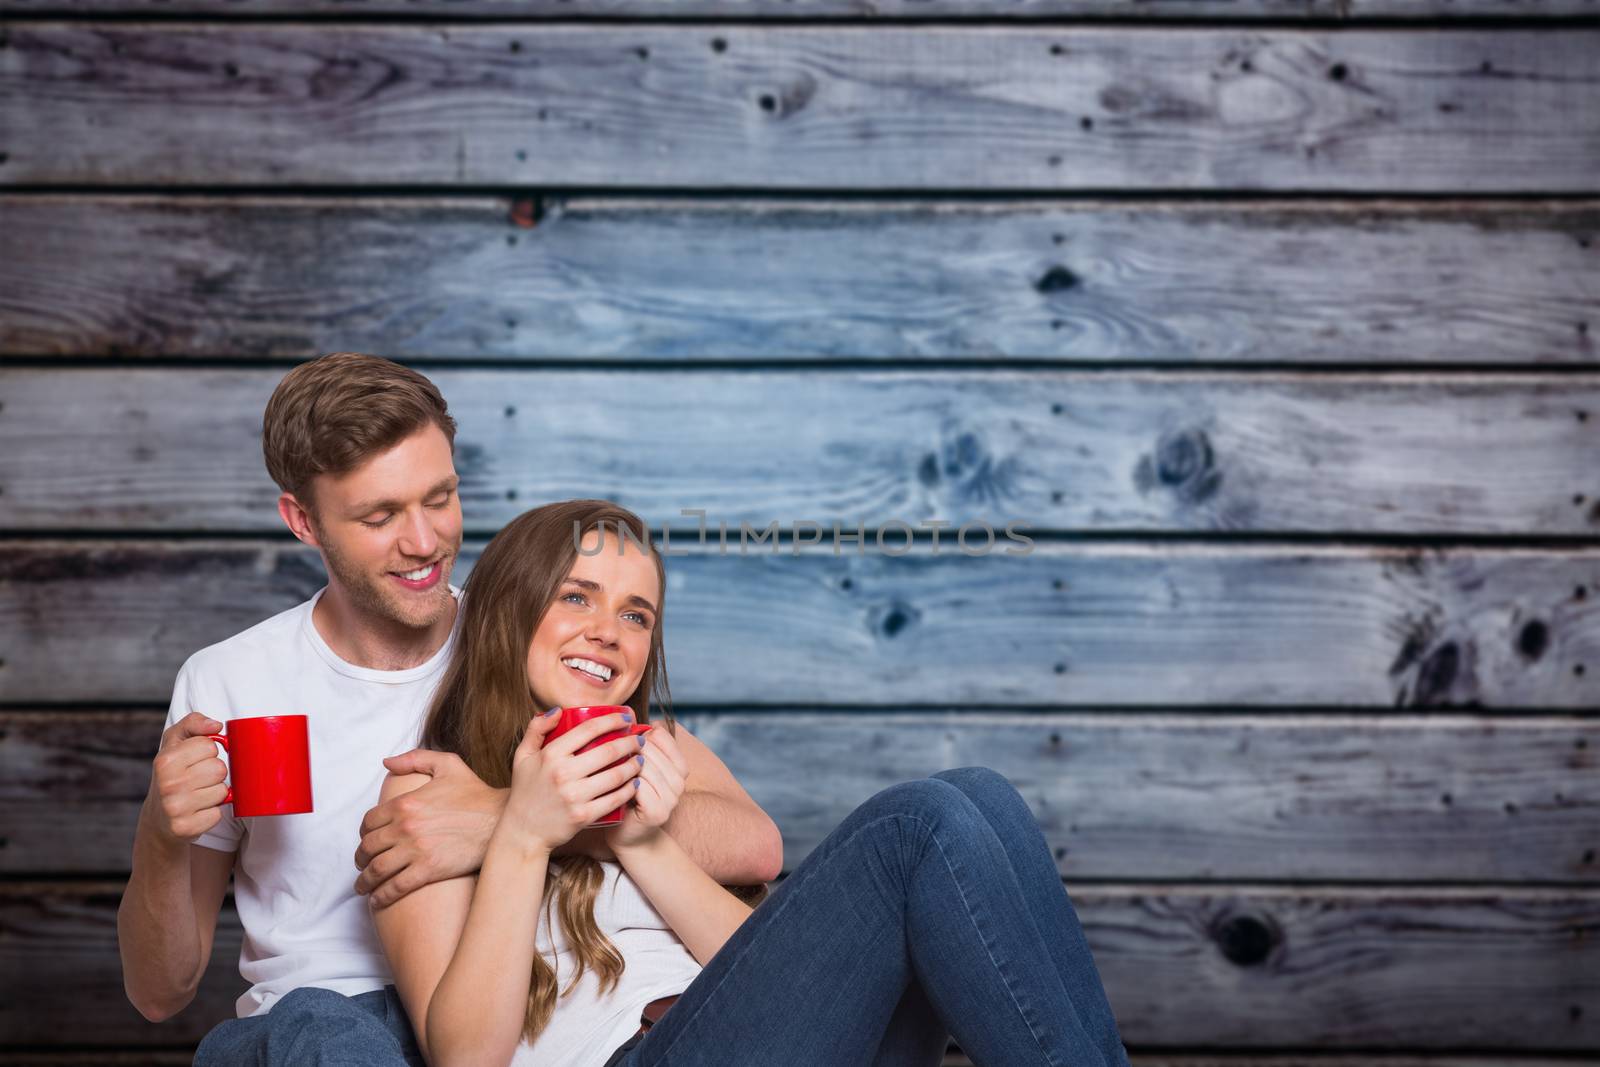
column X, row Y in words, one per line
column 312, row 1002
column 312, row 1025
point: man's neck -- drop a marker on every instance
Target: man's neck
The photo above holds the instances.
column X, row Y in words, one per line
column 376, row 644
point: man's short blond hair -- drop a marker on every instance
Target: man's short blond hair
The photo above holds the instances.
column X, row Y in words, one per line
column 329, row 415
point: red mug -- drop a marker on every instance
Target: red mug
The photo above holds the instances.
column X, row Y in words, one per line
column 571, row 717
column 269, row 762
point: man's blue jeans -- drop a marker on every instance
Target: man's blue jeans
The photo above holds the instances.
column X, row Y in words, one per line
column 312, row 1027
column 934, row 909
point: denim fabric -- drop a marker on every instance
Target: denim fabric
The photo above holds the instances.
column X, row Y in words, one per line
column 935, row 909
column 317, row 1028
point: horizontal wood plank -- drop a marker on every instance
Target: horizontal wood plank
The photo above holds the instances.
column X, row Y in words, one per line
column 1282, row 797
column 1226, row 797
column 600, row 279
column 873, row 11
column 1317, row 967
column 718, row 107
column 61, row 977
column 1080, row 624
column 120, row 449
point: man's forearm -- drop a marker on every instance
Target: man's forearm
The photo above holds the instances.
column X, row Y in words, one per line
column 735, row 842
column 157, row 935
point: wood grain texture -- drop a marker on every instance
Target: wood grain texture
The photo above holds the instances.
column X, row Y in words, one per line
column 865, row 10
column 121, row 448
column 979, row 108
column 61, row 978
column 600, row 279
column 1170, row 797
column 1328, row 968
column 1076, row 624
column 1226, row 797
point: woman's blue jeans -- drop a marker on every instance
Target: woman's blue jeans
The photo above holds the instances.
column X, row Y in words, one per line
column 935, row 909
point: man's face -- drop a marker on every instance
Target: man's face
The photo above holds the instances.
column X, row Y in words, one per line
column 390, row 530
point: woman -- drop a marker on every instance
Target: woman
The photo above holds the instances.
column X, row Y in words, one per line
column 933, row 909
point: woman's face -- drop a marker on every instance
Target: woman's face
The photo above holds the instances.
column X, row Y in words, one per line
column 594, row 642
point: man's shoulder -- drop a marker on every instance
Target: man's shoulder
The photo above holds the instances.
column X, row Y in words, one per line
column 274, row 636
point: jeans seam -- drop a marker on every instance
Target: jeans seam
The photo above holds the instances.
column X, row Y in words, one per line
column 734, row 965
column 983, row 939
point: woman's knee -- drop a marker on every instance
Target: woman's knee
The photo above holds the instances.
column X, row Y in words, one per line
column 991, row 793
column 977, row 780
column 927, row 799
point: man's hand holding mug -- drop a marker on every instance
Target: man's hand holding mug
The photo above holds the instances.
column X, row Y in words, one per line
column 187, row 781
column 271, row 769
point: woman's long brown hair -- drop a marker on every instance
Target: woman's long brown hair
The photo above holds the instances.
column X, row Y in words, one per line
column 483, row 704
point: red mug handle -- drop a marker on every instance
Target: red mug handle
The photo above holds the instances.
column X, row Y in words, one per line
column 223, row 741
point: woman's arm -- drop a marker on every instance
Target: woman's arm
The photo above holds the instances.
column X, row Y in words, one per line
column 462, row 951
column 700, row 912
column 442, row 830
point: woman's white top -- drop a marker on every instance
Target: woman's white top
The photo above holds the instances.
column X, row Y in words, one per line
column 586, row 1027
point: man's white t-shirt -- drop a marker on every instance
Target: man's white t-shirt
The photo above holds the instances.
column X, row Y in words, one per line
column 294, row 880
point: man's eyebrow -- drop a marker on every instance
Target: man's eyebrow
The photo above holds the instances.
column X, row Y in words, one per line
column 444, row 485
column 596, row 587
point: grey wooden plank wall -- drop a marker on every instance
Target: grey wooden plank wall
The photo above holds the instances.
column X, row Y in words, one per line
column 1274, row 321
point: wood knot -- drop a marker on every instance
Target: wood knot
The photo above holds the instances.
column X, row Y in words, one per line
column 1436, row 676
column 787, row 99
column 1182, row 462
column 969, row 469
column 1057, row 279
column 1533, row 639
column 893, row 620
column 962, row 453
column 1181, row 456
column 1245, row 939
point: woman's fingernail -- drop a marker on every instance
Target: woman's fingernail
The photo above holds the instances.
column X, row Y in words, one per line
column 552, row 711
column 636, row 783
column 627, row 716
column 641, row 740
column 640, row 759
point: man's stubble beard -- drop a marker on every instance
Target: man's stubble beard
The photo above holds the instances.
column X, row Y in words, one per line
column 371, row 596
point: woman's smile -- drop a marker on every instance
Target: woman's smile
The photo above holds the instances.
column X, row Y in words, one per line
column 594, row 639
column 592, row 672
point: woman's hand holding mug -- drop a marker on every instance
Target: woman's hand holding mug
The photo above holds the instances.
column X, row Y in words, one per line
column 557, row 790
column 661, row 783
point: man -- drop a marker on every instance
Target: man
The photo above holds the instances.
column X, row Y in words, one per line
column 362, row 451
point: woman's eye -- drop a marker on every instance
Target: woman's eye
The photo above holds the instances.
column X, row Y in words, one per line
column 571, row 596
